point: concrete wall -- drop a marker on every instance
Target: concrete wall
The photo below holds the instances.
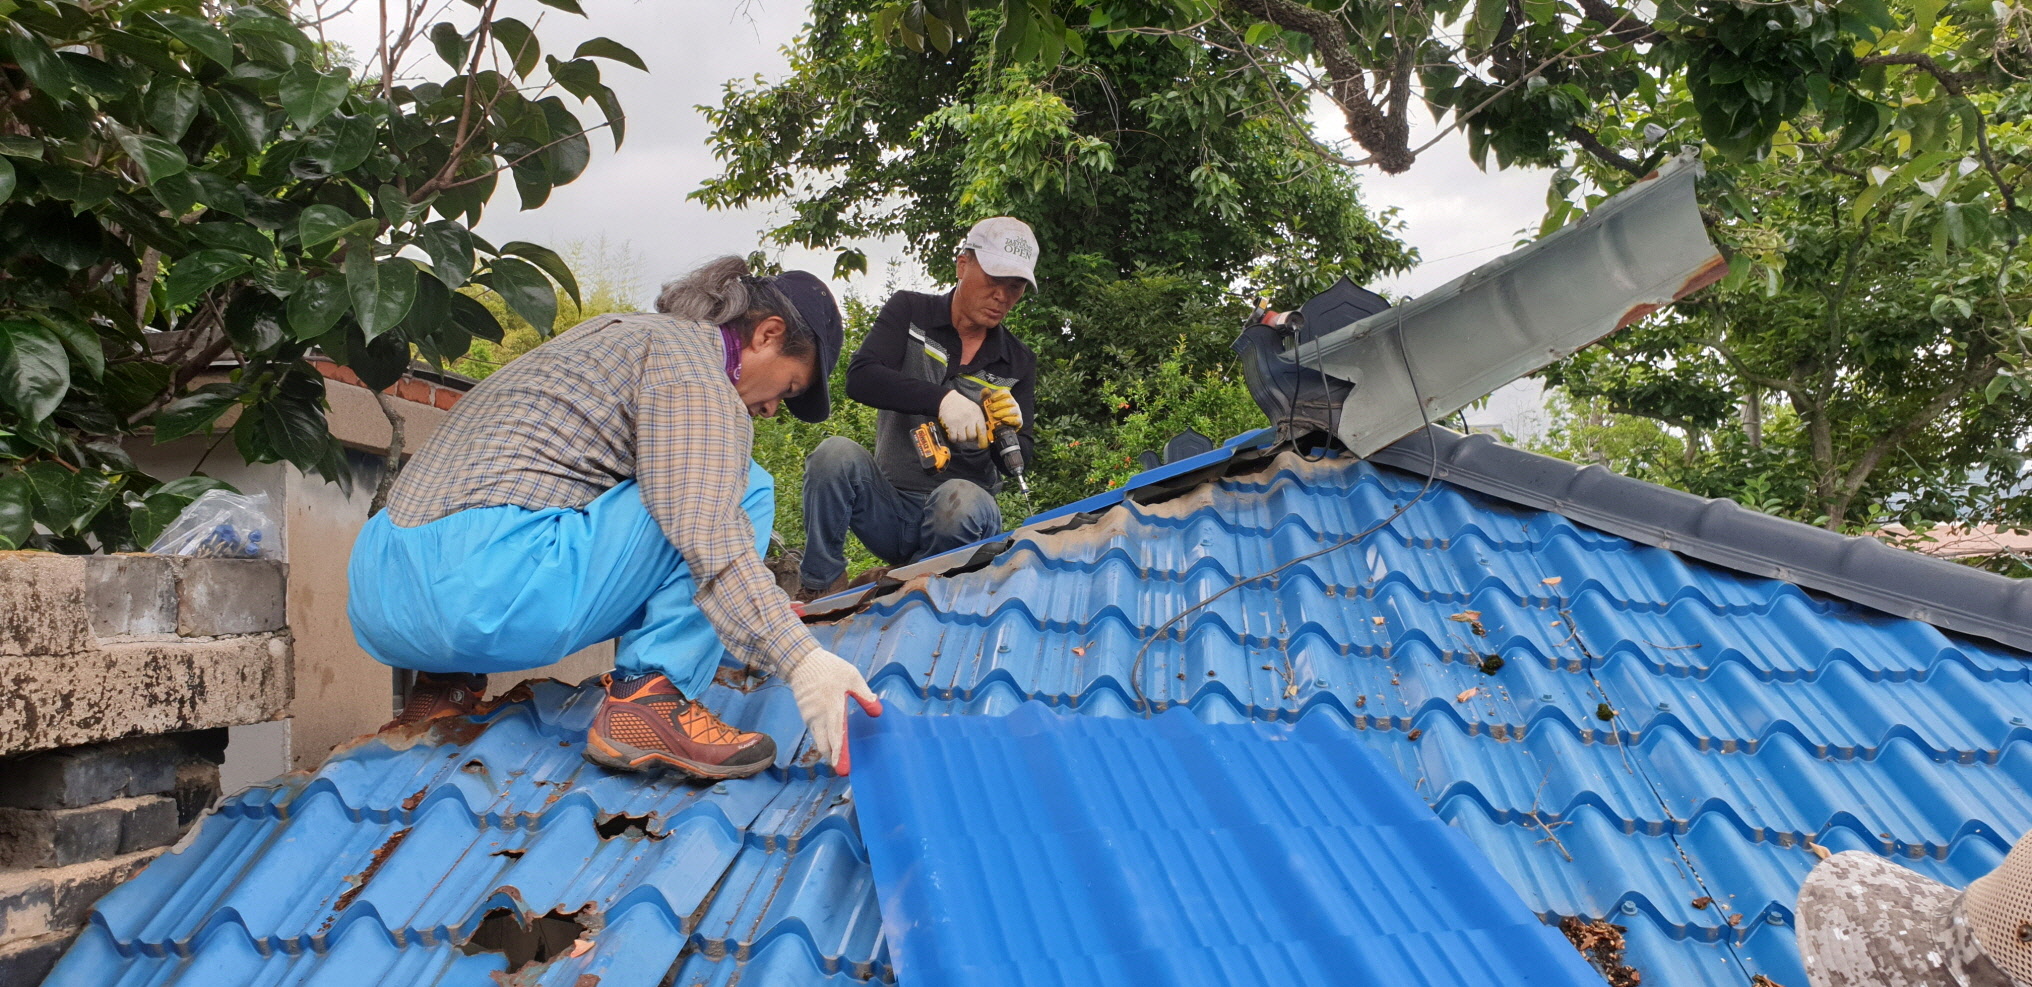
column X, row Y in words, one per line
column 340, row 692
column 124, row 674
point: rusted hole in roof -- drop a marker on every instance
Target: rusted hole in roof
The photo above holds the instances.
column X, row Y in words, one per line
column 539, row 940
column 359, row 881
column 624, row 825
column 510, row 854
column 474, row 766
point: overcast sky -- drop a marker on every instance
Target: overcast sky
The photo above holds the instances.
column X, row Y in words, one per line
column 1456, row 215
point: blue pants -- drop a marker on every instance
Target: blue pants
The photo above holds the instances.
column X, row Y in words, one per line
column 498, row 589
column 845, row 491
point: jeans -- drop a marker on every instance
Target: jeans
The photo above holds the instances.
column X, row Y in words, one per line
column 844, row 491
column 498, row 589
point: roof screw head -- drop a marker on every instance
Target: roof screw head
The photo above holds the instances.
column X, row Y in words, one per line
column 2017, row 721
column 1629, row 907
column 1319, row 683
column 1776, row 919
column 1662, row 707
column 1545, row 698
column 1001, row 648
column 719, row 789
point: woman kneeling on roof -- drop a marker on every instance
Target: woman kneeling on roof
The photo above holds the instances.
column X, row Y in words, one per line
column 601, row 487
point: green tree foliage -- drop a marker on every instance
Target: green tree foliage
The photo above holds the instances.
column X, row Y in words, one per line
column 610, row 280
column 1533, row 79
column 1153, row 179
column 186, row 184
column 1870, row 344
column 1133, row 156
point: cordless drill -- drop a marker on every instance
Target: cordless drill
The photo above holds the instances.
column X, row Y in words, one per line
column 934, row 447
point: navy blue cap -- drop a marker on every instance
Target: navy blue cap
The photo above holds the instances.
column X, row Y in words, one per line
column 815, row 305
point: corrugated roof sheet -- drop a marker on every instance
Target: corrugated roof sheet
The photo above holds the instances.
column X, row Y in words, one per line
column 1040, row 849
column 1660, row 731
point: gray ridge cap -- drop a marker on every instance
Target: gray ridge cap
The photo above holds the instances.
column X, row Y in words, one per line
column 1862, row 570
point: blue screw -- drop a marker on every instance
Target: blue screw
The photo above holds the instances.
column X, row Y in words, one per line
column 719, row 789
column 1629, row 908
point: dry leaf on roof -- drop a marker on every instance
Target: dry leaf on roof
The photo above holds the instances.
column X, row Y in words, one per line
column 1550, row 580
column 1467, row 694
column 1466, row 616
column 1378, row 621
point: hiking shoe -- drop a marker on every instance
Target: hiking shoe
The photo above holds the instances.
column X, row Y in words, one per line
column 870, row 577
column 646, row 722
column 435, row 695
column 806, row 594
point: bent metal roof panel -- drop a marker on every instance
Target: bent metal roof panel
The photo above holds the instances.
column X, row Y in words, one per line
column 1625, row 733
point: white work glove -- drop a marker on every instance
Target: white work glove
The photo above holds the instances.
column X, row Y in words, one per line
column 821, row 681
column 964, row 421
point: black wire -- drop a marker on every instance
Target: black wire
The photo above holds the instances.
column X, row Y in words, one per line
column 1431, row 476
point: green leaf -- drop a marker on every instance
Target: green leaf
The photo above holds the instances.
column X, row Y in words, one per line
column 289, row 425
column 235, row 236
column 90, row 492
column 254, row 322
column 382, row 291
column 549, row 262
column 46, row 72
column 79, row 338
column 322, row 224
column 7, row 179
column 526, row 291
column 201, row 272
column 50, row 496
column 610, row 49
column 519, row 43
column 245, row 118
column 395, row 205
column 309, row 96
column 568, row 6
column 21, row 147
column 567, row 156
column 316, row 307
column 451, row 251
column 158, row 158
column 476, row 319
column 450, row 44
column 203, row 38
column 171, row 104
column 1259, row 32
column 16, row 521
column 34, row 373
column 195, row 412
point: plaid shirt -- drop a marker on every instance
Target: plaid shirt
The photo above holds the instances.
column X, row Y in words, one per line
column 620, row 396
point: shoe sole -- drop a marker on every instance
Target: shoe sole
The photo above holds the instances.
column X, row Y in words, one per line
column 622, row 757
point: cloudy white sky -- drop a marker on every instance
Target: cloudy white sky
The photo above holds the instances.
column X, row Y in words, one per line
column 1455, row 214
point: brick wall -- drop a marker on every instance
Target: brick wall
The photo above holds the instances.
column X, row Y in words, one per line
column 123, row 673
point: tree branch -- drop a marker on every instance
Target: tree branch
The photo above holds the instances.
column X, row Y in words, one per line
column 1386, row 138
column 1593, row 145
column 392, row 462
column 1621, row 25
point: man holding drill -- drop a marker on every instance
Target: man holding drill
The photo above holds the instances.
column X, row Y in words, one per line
column 929, row 358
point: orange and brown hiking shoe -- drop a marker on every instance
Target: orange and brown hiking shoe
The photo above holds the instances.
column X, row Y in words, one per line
column 433, row 695
column 645, row 723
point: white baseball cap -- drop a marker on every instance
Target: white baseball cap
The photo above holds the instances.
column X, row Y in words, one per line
column 1004, row 247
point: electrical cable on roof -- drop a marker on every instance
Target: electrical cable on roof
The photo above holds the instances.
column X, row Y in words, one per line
column 1431, row 476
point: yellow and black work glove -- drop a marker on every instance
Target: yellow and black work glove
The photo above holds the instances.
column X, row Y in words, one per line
column 1001, row 407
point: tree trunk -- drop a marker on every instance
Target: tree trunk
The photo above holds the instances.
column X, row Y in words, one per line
column 1753, row 416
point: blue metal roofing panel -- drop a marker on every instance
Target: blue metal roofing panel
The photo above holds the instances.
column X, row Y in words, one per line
column 1039, row 848
column 1660, row 731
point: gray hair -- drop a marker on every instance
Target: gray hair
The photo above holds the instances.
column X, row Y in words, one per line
column 723, row 292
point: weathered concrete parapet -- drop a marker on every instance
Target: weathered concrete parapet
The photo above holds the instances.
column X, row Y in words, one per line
column 96, row 648
column 118, row 677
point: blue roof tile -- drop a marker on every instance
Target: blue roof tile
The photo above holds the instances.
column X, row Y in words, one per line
column 1045, row 849
column 1745, row 717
